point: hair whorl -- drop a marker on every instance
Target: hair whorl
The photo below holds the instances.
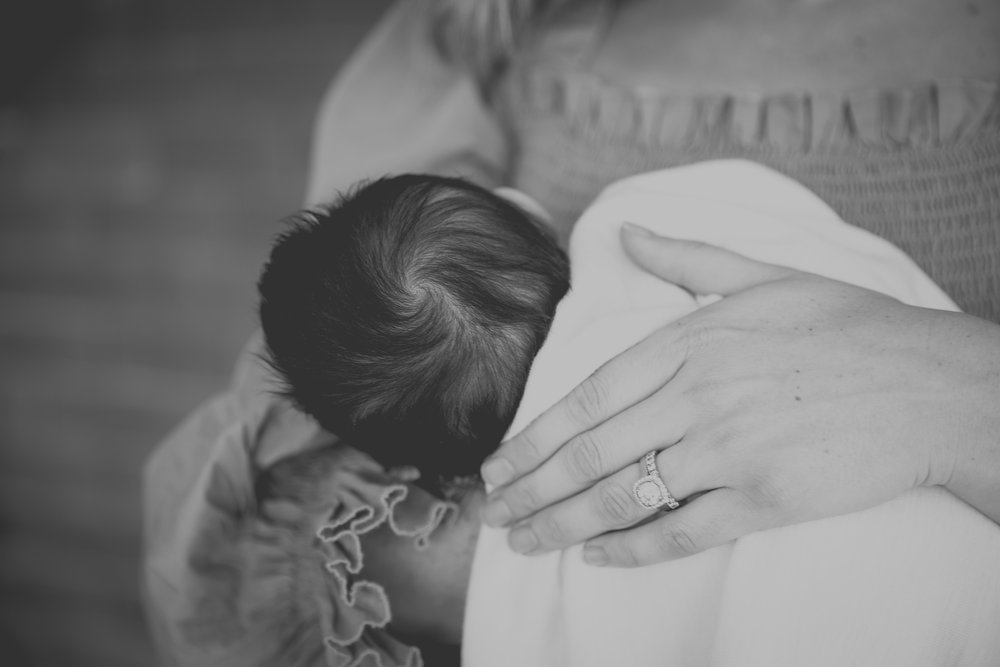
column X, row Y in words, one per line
column 406, row 317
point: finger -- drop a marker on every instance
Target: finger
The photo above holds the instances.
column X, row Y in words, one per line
column 700, row 267
column 608, row 505
column 715, row 518
column 591, row 456
column 620, row 383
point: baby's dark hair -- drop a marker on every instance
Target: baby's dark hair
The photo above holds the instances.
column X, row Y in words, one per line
column 404, row 317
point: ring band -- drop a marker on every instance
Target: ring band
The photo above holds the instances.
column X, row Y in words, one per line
column 650, row 491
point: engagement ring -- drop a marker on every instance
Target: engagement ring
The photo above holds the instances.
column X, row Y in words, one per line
column 650, row 491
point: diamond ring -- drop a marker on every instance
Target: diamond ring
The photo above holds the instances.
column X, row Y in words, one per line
column 650, row 491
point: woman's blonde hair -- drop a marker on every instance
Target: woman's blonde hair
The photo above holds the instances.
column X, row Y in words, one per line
column 482, row 35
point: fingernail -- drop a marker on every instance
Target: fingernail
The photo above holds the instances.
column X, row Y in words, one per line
column 497, row 471
column 595, row 555
column 496, row 513
column 638, row 230
column 523, row 540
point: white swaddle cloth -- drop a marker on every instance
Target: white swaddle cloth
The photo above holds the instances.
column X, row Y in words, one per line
column 913, row 582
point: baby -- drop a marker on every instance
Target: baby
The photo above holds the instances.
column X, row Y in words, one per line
column 404, row 318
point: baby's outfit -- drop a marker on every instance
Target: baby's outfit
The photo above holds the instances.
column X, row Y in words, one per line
column 232, row 579
column 911, row 582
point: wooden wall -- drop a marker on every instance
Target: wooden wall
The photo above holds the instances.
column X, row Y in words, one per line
column 143, row 164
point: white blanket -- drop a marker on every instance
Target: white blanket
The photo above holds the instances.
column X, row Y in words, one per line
column 913, row 582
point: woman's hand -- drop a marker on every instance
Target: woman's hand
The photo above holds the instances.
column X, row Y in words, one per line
column 793, row 398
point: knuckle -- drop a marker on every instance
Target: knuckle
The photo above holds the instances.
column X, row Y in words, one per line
column 623, row 554
column 731, row 436
column 523, row 498
column 551, row 530
column 614, row 505
column 584, row 458
column 727, row 441
column 699, row 250
column 698, row 335
column 528, row 452
column 769, row 496
column 676, row 540
column 698, row 254
column 586, row 404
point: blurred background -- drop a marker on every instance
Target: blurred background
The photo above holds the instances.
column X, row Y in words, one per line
column 147, row 149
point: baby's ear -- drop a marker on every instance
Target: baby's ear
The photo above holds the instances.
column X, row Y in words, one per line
column 526, row 202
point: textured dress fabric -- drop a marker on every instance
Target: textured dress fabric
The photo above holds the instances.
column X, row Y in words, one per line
column 917, row 164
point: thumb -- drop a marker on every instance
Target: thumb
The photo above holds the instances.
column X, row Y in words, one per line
column 697, row 266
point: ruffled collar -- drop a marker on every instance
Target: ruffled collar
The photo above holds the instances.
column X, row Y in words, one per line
column 239, row 576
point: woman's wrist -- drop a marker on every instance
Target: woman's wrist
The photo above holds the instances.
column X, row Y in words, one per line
column 969, row 464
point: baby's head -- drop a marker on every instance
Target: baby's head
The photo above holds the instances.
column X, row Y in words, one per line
column 405, row 316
